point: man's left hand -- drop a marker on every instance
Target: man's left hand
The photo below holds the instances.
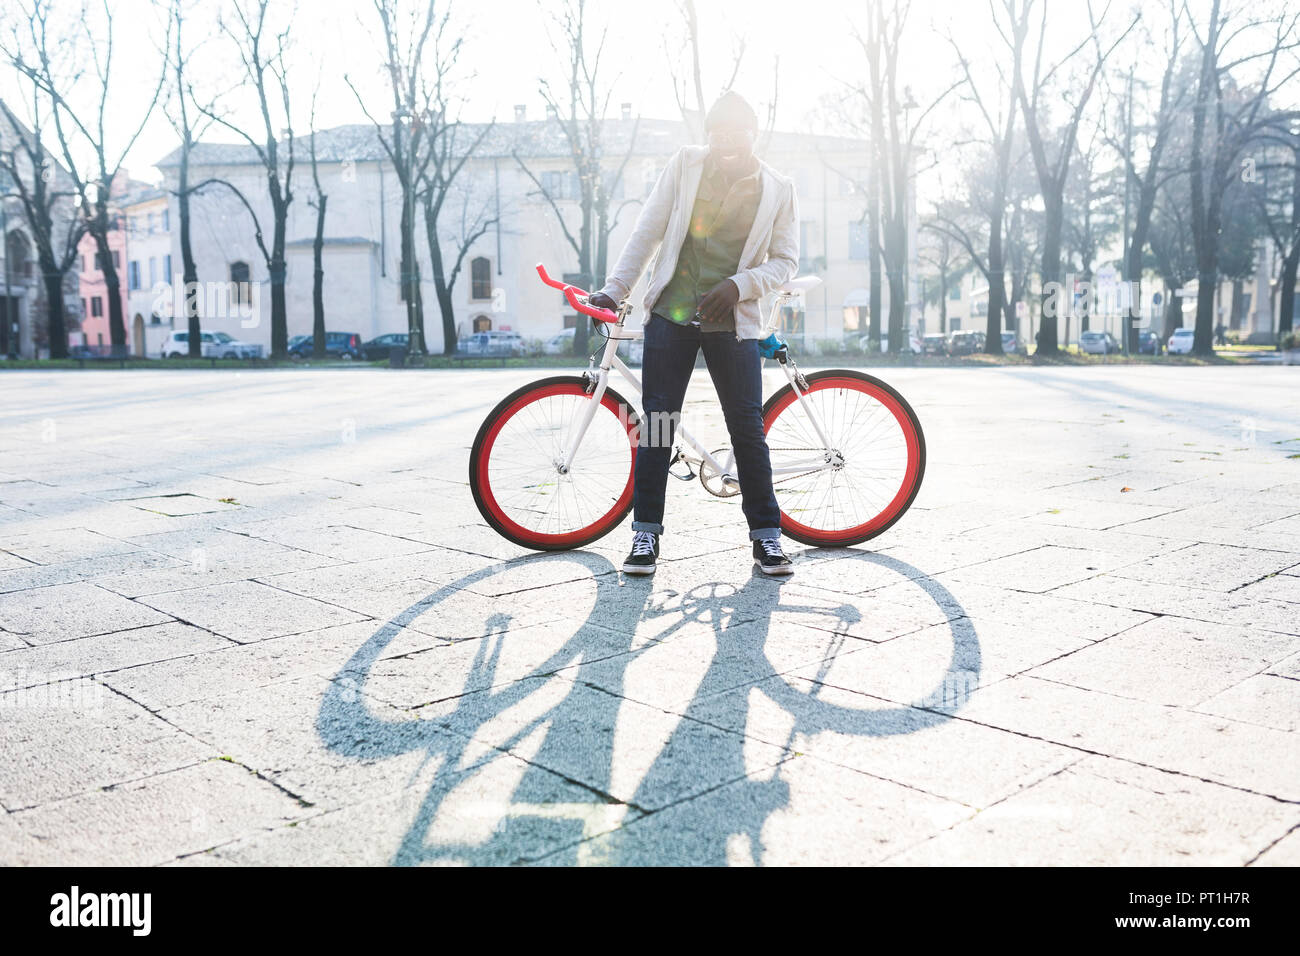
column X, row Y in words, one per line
column 720, row 301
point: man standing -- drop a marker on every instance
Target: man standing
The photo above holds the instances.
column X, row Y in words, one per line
column 726, row 227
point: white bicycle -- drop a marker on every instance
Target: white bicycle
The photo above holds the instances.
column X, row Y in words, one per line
column 552, row 465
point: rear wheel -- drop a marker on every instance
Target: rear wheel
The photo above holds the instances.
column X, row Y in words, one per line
column 876, row 458
column 517, row 486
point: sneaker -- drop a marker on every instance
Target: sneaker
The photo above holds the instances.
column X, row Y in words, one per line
column 645, row 550
column 770, row 558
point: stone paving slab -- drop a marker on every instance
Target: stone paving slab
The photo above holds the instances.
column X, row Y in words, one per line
column 1100, row 809
column 152, row 821
column 66, row 612
column 280, row 633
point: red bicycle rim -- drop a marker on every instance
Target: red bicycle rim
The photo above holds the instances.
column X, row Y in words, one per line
column 568, row 538
column 900, row 500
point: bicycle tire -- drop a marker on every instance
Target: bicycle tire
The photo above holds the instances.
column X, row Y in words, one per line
column 914, row 472
column 485, row 498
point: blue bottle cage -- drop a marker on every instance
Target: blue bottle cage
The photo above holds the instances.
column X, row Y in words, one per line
column 769, row 346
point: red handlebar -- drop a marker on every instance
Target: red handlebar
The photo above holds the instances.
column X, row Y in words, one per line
column 571, row 292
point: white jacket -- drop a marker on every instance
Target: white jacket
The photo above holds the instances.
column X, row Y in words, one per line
column 770, row 257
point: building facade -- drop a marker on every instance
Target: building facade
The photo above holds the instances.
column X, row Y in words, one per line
column 497, row 287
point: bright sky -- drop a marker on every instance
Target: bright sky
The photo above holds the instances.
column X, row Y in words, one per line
column 506, row 51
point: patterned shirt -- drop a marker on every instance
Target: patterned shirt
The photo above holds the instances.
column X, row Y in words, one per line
column 720, row 222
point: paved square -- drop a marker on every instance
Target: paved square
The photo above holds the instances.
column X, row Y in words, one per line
column 254, row 618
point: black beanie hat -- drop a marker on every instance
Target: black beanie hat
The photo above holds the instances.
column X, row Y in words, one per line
column 731, row 108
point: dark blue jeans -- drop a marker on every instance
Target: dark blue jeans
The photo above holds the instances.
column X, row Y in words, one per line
column 736, row 369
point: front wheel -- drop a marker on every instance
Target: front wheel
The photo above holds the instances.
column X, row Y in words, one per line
column 513, row 472
column 859, row 486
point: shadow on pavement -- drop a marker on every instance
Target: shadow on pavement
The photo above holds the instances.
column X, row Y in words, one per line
column 540, row 827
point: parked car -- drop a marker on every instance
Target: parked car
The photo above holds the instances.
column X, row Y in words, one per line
column 1013, row 346
column 338, row 345
column 211, row 345
column 864, row 343
column 561, row 343
column 1098, row 343
column 966, row 342
column 378, row 348
column 494, row 343
column 935, row 344
column 1149, row 344
column 1180, row 343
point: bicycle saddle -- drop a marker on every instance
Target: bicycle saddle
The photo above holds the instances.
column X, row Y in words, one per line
column 801, row 284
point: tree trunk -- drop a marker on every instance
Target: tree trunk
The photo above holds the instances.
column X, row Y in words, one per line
column 1051, row 274
column 190, row 277
column 440, row 287
column 1203, row 339
column 279, row 310
column 997, row 280
column 1286, row 293
column 54, row 311
column 873, row 263
column 318, row 282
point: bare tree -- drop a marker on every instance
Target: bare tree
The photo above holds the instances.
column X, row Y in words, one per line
column 261, row 50
column 997, row 109
column 582, row 123
column 1052, row 162
column 51, row 217
column 692, row 100
column 406, row 35
column 1226, row 119
column 947, row 260
column 318, row 201
column 45, row 57
column 190, row 125
column 1159, row 129
column 1280, row 213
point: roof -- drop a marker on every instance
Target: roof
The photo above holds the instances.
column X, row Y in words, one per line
column 360, row 142
column 334, row 241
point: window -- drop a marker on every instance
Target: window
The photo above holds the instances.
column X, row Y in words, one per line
column 153, row 271
column 133, row 275
column 84, row 311
column 241, row 290
column 84, row 265
column 117, row 259
column 167, row 268
column 560, row 184
column 150, row 220
column 858, row 236
column 482, row 323
column 166, row 220
column 96, row 306
column 955, row 293
column 480, row 273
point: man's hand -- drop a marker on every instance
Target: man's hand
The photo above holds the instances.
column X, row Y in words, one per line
column 598, row 300
column 720, row 301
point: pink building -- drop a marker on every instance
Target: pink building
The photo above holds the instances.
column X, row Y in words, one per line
column 94, row 292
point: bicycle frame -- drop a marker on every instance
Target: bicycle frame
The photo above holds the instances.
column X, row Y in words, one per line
column 610, row 361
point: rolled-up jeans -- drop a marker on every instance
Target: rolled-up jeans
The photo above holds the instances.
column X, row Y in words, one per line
column 736, row 368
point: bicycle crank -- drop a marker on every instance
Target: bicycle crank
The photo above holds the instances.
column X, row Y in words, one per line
column 715, row 482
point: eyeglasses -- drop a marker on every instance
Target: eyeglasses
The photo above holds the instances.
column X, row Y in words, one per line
column 731, row 137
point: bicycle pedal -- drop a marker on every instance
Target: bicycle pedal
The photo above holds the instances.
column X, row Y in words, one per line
column 690, row 473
